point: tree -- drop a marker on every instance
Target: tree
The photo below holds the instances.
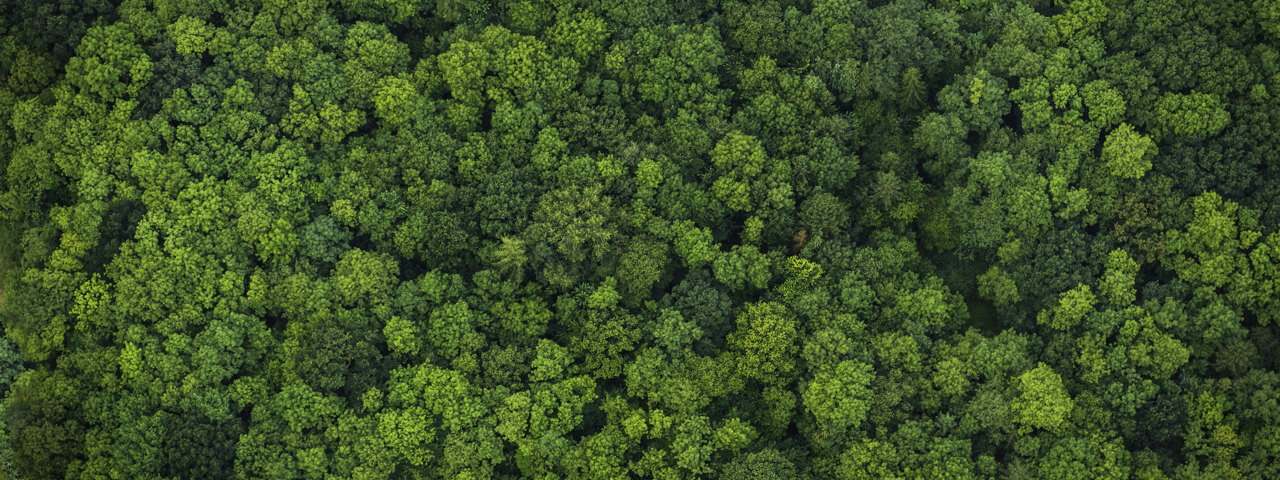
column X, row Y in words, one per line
column 696, row 440
column 777, row 102
column 511, row 257
column 323, row 240
column 1082, row 17
column 190, row 35
column 995, row 285
column 672, row 67
column 1265, row 258
column 393, row 99
column 741, row 267
column 452, row 333
column 57, row 28
column 895, row 42
column 364, row 277
column 1105, row 105
column 601, row 333
column 1118, row 283
column 910, row 452
column 739, row 159
column 765, row 340
column 375, row 49
column 767, row 464
column 319, row 122
column 435, row 237
column 387, row 239
column 802, row 276
column 47, row 436
column 1127, row 153
column 1072, row 308
column 1001, row 197
column 978, row 100
column 1209, row 255
column 643, row 266
column 925, row 308
column 1080, row 458
column 840, row 396
column 197, row 447
column 541, row 417
column 1269, row 13
column 913, row 95
column 756, row 28
column 700, row 301
column 31, row 71
column 1196, row 115
column 524, row 68
column 581, row 36
column 104, row 58
column 1058, row 261
column 694, row 245
column 674, row 334
column 830, row 166
column 574, row 218
column 824, row 214
column 1042, row 401
column 942, row 136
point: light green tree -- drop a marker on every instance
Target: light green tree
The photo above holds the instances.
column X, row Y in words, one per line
column 998, row 286
column 1042, row 401
column 841, row 396
column 1072, row 308
column 1128, row 154
column 1117, row 284
column 739, row 159
column 765, row 342
column 1193, row 115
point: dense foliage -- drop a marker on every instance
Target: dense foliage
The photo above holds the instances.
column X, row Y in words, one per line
column 669, row 239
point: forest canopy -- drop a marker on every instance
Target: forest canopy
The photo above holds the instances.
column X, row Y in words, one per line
column 640, row 239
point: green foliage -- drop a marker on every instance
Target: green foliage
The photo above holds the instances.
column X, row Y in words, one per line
column 757, row 28
column 766, row 464
column 824, row 214
column 393, row 100
column 739, row 159
column 1002, row 198
column 511, row 257
column 580, row 36
column 1211, row 256
column 765, row 342
column 1073, row 457
column 1196, row 115
column 1269, row 15
column 995, row 285
column 802, row 276
column 1072, row 308
column 191, row 35
column 743, row 266
column 574, row 219
column 319, row 122
column 643, row 266
column 11, row 360
column 909, row 453
column 1127, row 153
column 840, row 397
column 1117, row 285
column 564, row 239
column 361, row 275
column 602, row 333
column 694, row 245
column 671, row 66
column 1042, row 401
column 104, row 59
